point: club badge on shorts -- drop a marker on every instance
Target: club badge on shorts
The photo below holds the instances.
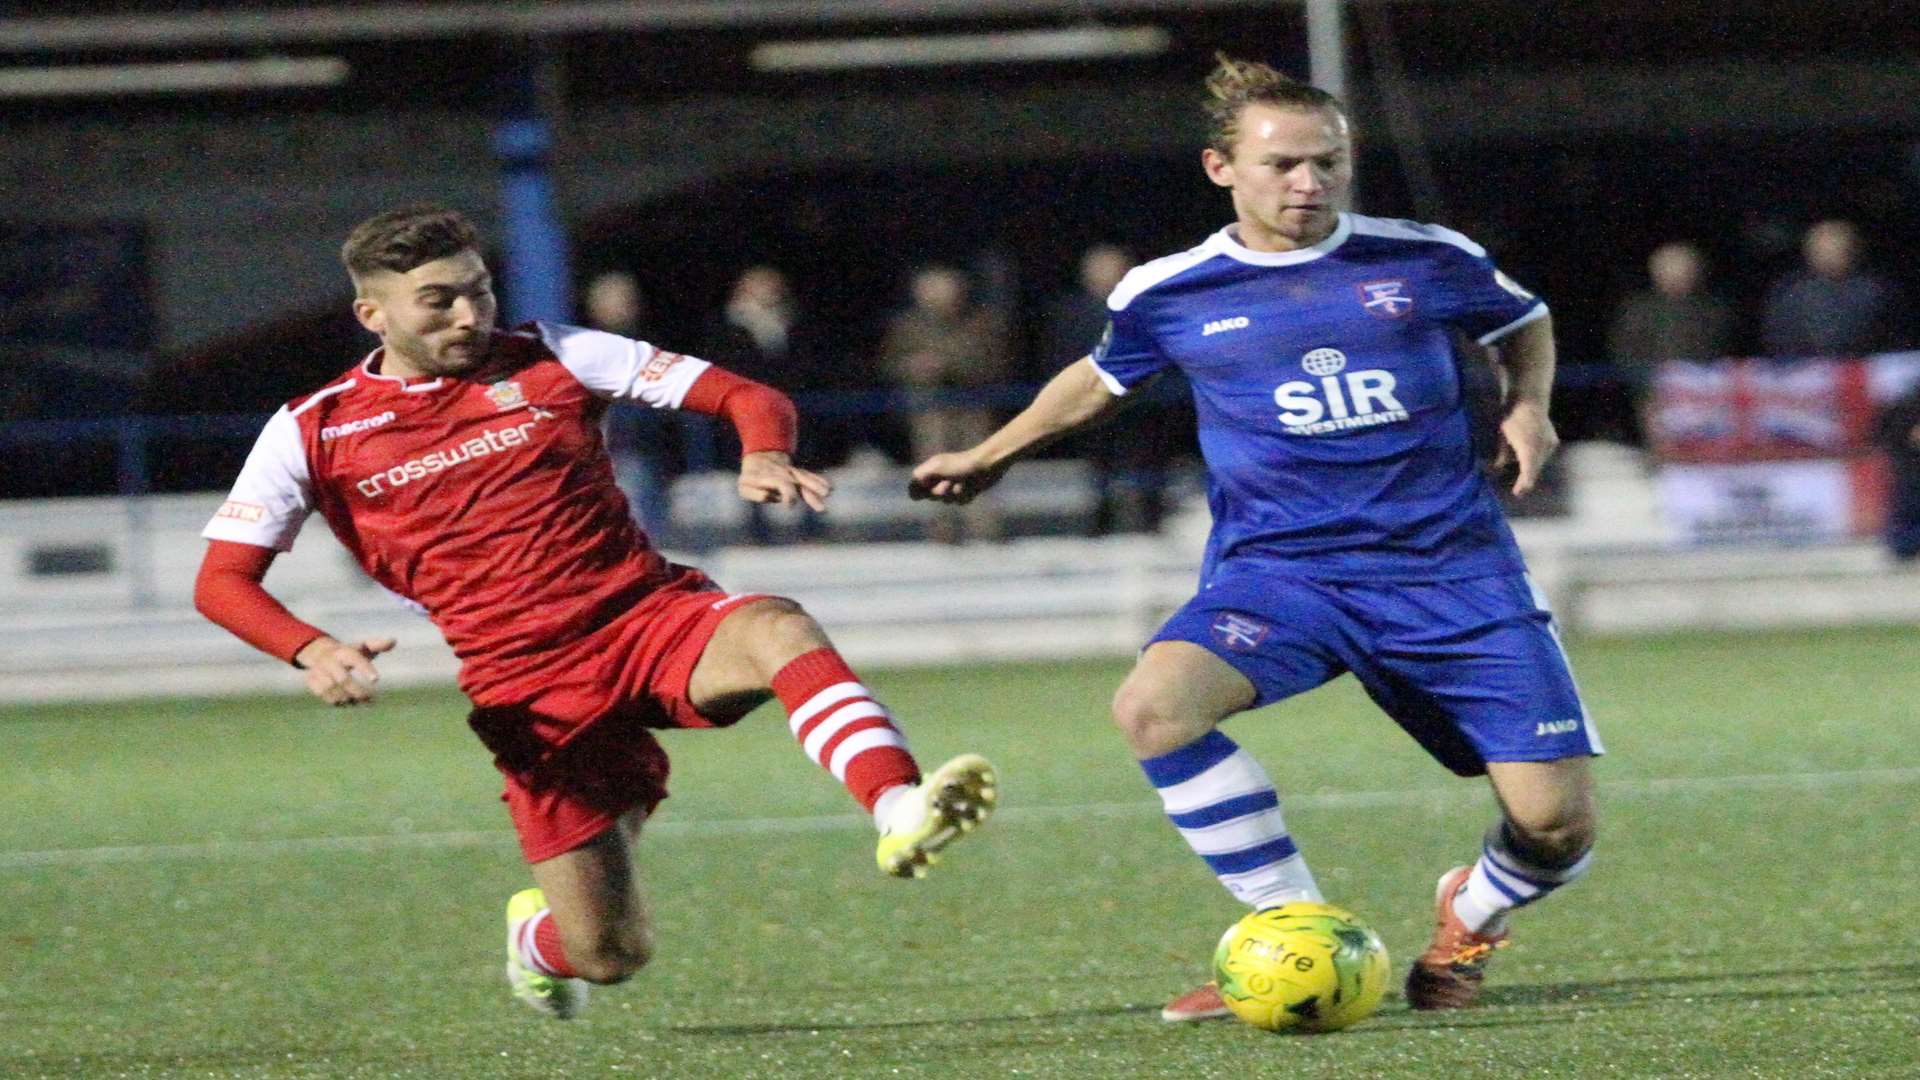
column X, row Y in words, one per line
column 1232, row 630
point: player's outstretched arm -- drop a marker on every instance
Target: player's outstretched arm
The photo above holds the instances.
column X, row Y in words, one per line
column 228, row 591
column 1073, row 398
column 1527, row 438
column 768, row 427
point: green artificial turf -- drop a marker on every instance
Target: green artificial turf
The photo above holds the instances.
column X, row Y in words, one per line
column 267, row 888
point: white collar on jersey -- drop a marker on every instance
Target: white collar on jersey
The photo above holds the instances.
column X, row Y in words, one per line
column 366, row 368
column 1229, row 245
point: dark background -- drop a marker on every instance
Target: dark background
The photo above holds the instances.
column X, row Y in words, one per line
column 1568, row 139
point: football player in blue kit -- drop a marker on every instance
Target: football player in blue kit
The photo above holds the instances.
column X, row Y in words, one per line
column 1353, row 528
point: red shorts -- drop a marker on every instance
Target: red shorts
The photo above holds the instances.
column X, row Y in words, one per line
column 580, row 752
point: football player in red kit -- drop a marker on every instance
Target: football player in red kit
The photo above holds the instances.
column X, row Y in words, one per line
column 462, row 466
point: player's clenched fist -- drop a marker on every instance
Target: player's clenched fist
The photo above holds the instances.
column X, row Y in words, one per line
column 952, row 478
column 339, row 673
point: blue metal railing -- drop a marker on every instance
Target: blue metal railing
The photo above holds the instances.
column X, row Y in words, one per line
column 133, row 436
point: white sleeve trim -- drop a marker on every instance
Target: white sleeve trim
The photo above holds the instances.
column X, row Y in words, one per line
column 1147, row 275
column 273, row 495
column 1539, row 311
column 621, row 368
column 1401, row 229
column 322, row 395
column 1112, row 384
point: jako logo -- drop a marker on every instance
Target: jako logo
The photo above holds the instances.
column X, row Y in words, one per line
column 354, row 427
column 1555, row 727
column 1218, row 326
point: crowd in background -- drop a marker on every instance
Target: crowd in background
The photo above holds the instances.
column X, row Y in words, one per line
column 1831, row 306
column 953, row 336
column 946, row 345
column 929, row 361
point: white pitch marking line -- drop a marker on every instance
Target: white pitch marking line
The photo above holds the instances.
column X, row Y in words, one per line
column 213, row 849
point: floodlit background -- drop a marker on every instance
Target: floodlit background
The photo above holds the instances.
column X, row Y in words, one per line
column 1719, row 201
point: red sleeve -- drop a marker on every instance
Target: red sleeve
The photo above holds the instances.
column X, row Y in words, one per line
column 228, row 592
column 764, row 417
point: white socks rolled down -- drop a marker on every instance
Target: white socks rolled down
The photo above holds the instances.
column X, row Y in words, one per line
column 1503, row 880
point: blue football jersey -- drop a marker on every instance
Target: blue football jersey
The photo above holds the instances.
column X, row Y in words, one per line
column 1329, row 396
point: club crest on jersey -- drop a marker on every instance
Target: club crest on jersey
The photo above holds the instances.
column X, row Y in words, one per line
column 1385, row 299
column 506, row 395
column 1239, row 633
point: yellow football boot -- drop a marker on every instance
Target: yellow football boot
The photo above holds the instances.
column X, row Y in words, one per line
column 552, row 995
column 943, row 807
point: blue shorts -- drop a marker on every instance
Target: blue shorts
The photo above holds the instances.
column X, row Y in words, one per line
column 1472, row 669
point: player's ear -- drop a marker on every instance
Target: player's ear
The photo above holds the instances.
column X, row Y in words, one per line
column 1218, row 166
column 370, row 313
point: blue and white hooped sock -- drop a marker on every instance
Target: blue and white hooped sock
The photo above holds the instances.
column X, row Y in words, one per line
column 1228, row 812
column 1503, row 880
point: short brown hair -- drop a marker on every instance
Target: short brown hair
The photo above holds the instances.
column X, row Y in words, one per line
column 399, row 240
column 1235, row 84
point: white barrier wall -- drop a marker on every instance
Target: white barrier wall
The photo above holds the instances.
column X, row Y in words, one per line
column 96, row 594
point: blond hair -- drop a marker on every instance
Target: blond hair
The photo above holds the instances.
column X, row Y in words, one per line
column 1235, row 84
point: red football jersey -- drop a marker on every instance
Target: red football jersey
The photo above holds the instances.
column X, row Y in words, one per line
column 487, row 500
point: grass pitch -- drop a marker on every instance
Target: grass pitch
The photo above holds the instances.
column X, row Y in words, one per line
column 268, row 888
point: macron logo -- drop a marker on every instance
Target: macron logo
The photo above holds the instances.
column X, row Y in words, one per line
column 1221, row 326
column 1555, row 727
column 354, row 427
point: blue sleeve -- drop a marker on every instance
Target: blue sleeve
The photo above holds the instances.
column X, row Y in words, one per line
column 1127, row 354
column 1476, row 297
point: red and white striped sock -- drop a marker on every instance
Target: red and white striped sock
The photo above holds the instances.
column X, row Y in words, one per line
column 841, row 726
column 539, row 943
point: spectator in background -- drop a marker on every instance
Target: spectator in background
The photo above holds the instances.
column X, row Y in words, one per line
column 1675, row 318
column 636, row 438
column 1076, row 319
column 944, row 341
column 1130, row 474
column 759, row 335
column 1898, row 433
column 1831, row 307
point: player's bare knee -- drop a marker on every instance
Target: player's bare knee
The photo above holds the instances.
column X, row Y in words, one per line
column 781, row 630
column 1152, row 721
column 1553, row 840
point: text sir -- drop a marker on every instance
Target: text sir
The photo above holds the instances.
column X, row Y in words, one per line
column 1353, row 399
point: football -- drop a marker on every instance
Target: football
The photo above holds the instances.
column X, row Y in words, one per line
column 1301, row 967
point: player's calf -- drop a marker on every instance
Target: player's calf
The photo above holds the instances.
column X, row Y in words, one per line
column 612, row 956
